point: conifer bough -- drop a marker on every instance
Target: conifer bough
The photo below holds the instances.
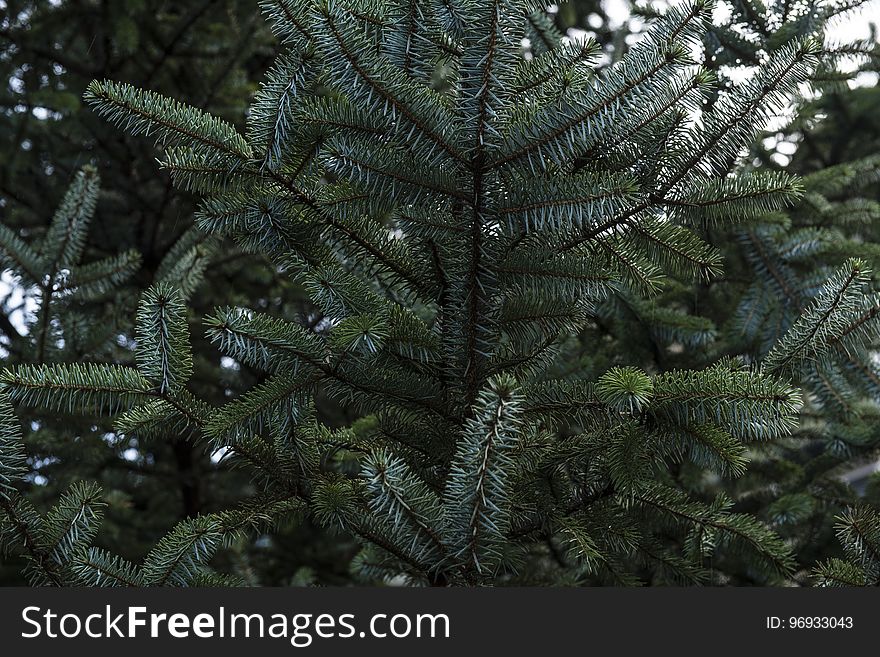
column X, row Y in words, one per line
column 457, row 215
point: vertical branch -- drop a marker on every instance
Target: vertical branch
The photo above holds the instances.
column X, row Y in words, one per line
column 474, row 286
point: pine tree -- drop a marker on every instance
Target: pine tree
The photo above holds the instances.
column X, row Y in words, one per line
column 804, row 486
column 211, row 53
column 775, row 268
column 465, row 221
column 66, row 289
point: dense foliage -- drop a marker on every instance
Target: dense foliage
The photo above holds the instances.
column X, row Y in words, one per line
column 541, row 317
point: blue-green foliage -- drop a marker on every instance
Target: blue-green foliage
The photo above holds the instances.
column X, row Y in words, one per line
column 461, row 219
column 51, row 270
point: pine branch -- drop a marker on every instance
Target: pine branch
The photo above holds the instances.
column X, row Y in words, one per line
column 75, row 387
column 63, row 244
column 476, row 497
column 13, row 461
column 146, row 113
column 163, row 349
column 833, row 317
column 387, row 85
